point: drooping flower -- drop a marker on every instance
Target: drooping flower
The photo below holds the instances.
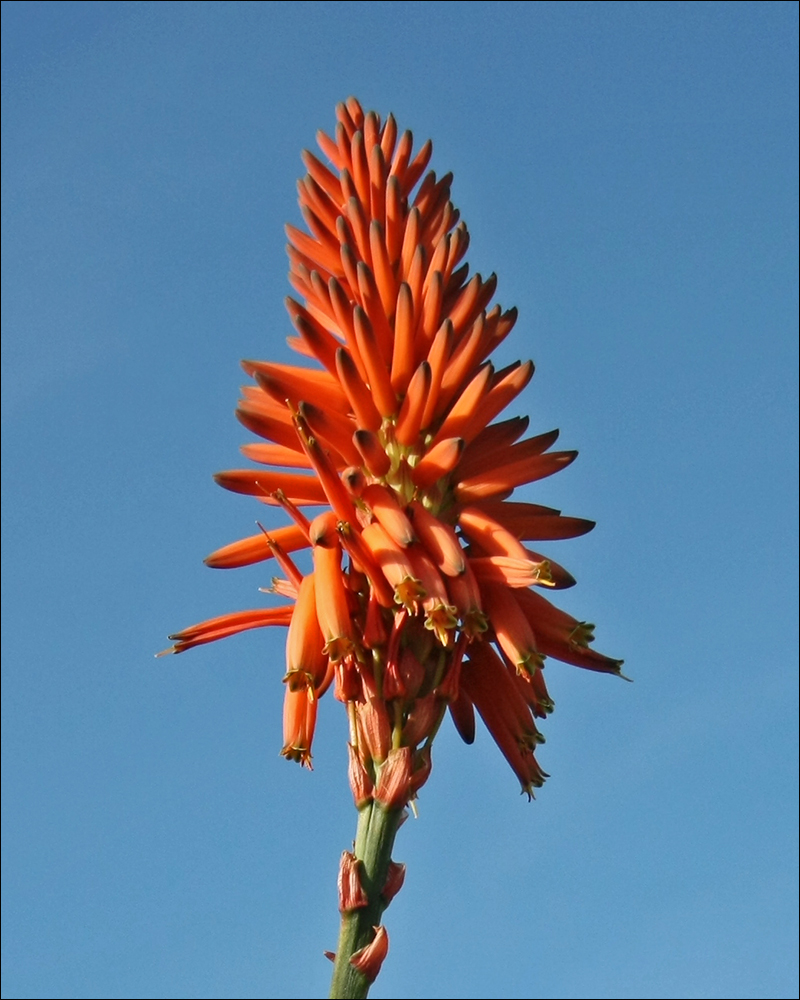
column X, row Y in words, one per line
column 423, row 596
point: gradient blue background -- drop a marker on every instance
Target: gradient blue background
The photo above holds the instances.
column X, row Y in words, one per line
column 629, row 171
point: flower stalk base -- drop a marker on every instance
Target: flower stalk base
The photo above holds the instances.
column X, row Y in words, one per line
column 375, row 835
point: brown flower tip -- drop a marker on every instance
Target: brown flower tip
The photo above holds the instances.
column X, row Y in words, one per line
column 351, row 892
column 369, row 959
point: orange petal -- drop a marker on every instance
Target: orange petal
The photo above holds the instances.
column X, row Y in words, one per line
column 402, row 155
column 343, row 309
column 373, row 307
column 506, row 388
column 388, row 136
column 355, row 546
column 417, row 167
column 305, row 661
column 408, row 250
column 272, row 426
column 493, row 537
column 299, row 721
column 438, row 462
column 384, row 276
column 462, row 414
column 324, row 235
column 255, row 548
column 471, row 302
column 261, row 483
column 314, row 197
column 316, row 339
column 510, row 572
column 230, row 624
column 333, row 613
column 461, row 365
column 386, row 509
column 395, row 219
column 437, row 358
column 511, row 627
column 560, row 578
column 329, row 148
column 507, row 478
column 396, row 566
column 360, row 169
column 439, row 539
column 432, row 307
column 488, row 452
column 361, row 401
column 489, row 687
column 532, row 522
column 326, row 179
column 415, row 278
column 323, row 255
column 275, row 454
column 378, row 375
column 588, row 659
column 282, row 382
column 333, row 427
column 375, row 458
column 492, row 440
column 327, row 477
column 409, row 420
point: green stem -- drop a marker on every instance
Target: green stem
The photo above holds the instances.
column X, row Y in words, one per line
column 375, row 835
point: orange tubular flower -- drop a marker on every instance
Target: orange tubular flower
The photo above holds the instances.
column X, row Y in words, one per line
column 389, row 423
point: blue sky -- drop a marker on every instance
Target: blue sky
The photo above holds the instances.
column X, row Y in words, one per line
column 629, row 171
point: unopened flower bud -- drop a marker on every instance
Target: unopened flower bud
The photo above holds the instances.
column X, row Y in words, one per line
column 354, row 479
column 322, row 530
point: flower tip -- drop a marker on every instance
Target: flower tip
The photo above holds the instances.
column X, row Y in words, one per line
column 323, row 530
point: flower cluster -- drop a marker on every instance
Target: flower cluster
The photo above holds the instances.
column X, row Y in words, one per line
column 425, row 596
